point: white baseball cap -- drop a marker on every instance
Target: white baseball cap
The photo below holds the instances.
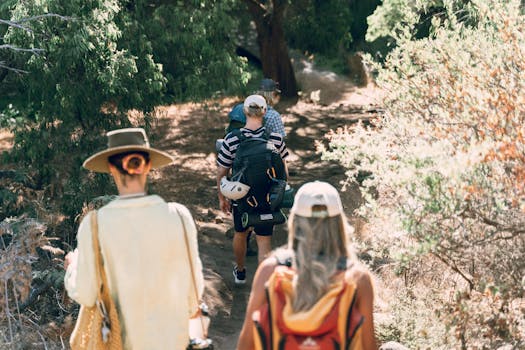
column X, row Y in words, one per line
column 255, row 102
column 317, row 193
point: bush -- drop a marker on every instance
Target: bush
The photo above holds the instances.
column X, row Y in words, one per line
column 78, row 84
column 21, row 282
column 448, row 163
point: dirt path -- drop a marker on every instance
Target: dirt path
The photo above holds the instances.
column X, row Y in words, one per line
column 189, row 132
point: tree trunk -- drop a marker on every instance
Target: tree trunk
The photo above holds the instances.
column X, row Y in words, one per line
column 276, row 64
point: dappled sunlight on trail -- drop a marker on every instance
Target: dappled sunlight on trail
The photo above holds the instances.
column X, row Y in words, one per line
column 188, row 131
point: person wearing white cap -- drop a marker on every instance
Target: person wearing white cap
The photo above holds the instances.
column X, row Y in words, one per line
column 317, row 261
column 142, row 243
column 272, row 120
column 254, row 108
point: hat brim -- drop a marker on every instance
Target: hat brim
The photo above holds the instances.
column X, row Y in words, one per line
column 99, row 161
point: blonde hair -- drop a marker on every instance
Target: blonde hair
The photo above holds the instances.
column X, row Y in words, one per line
column 254, row 112
column 318, row 244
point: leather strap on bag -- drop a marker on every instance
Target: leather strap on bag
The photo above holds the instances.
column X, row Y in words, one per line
column 103, row 297
column 102, row 291
column 191, row 266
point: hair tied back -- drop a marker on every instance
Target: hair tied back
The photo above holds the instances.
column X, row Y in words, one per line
column 134, row 164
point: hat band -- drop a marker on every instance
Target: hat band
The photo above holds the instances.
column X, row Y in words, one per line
column 127, row 139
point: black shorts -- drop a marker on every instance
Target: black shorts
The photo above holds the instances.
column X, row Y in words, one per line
column 260, row 230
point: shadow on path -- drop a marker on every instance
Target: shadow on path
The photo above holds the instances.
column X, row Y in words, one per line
column 189, row 132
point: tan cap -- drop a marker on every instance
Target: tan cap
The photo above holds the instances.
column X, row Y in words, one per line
column 255, row 102
column 317, row 193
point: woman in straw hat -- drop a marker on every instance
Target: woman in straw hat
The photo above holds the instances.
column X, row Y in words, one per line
column 300, row 286
column 142, row 241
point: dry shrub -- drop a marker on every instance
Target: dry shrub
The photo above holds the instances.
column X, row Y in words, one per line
column 20, row 239
column 31, row 288
column 447, row 165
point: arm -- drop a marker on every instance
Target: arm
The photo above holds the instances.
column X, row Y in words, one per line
column 257, row 299
column 193, row 247
column 80, row 277
column 365, row 305
column 224, row 163
column 224, row 203
column 279, row 143
column 283, row 151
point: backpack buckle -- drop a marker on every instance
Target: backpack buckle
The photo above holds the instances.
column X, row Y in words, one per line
column 252, row 202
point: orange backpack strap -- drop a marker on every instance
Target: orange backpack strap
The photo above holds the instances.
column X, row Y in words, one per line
column 350, row 319
column 266, row 332
column 335, row 313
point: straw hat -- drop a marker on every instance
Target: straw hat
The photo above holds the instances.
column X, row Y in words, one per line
column 126, row 140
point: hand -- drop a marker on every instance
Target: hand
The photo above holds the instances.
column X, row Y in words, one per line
column 197, row 313
column 70, row 258
column 224, row 204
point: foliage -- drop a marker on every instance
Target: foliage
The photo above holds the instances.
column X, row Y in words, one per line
column 396, row 19
column 77, row 85
column 197, row 61
column 448, row 163
column 319, row 26
column 90, row 63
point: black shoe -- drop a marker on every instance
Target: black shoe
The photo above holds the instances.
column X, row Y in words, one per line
column 240, row 276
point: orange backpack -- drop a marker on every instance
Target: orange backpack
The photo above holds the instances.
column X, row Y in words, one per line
column 332, row 323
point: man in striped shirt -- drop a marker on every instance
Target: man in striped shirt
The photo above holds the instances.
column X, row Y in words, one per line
column 254, row 108
column 272, row 120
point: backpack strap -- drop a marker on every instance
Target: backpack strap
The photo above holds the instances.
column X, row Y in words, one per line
column 239, row 134
column 274, row 329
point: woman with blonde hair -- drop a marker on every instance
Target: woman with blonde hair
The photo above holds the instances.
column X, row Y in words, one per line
column 313, row 294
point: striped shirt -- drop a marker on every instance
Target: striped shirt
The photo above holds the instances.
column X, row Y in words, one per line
column 231, row 143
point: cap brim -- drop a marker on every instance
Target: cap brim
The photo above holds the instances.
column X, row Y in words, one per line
column 99, row 161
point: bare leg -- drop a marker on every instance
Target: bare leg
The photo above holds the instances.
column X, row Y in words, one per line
column 264, row 246
column 239, row 248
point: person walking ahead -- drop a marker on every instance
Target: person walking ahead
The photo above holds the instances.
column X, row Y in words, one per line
column 254, row 108
column 272, row 119
column 308, row 287
column 143, row 248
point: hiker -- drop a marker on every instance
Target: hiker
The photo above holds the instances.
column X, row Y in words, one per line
column 316, row 269
column 143, row 246
column 237, row 142
column 272, row 120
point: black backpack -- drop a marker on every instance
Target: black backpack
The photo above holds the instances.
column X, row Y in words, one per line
column 259, row 165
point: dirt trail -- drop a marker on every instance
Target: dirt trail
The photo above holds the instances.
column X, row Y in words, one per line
column 189, row 132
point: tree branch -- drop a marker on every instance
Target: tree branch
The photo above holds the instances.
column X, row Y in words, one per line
column 14, row 48
column 451, row 264
column 15, row 24
column 46, row 15
column 16, row 70
column 18, row 24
